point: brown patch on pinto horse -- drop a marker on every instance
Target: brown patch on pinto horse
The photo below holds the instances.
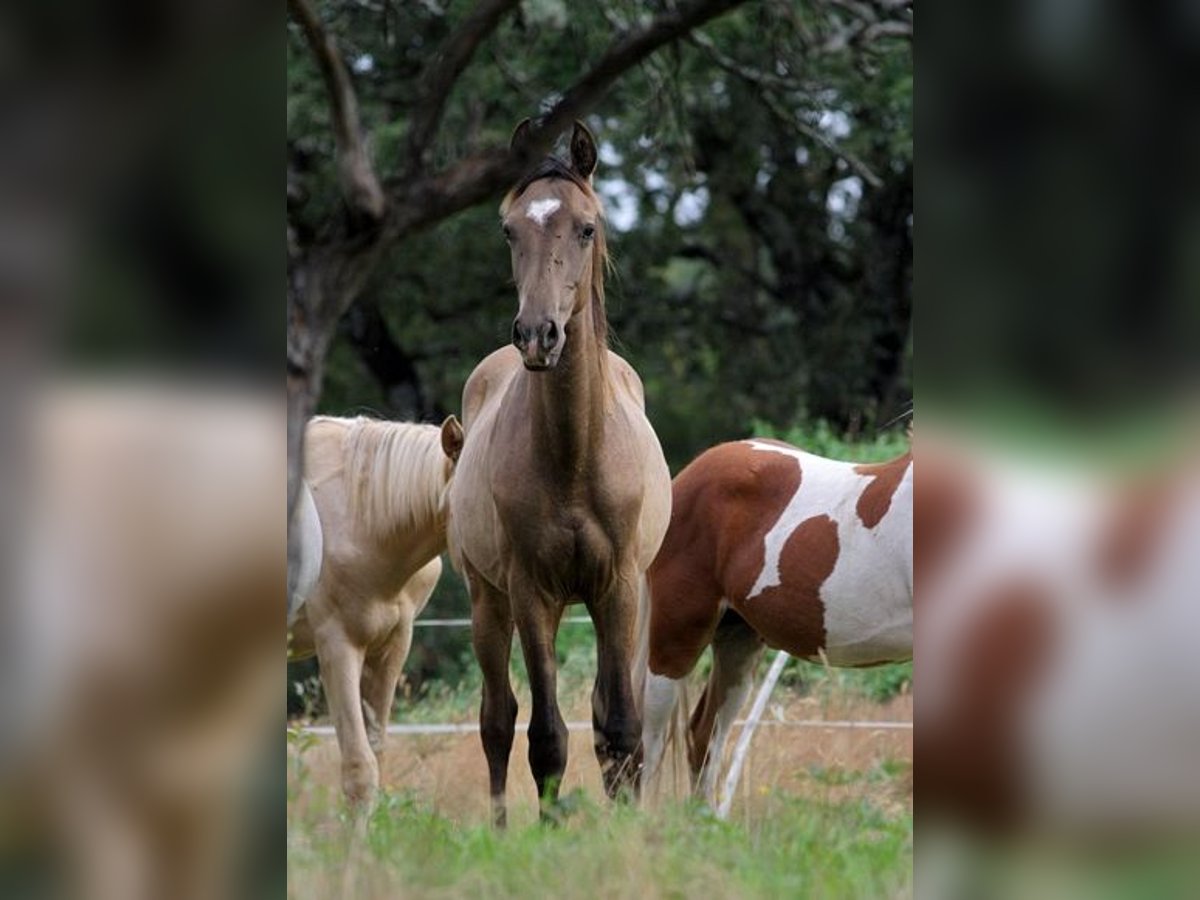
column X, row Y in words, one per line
column 876, row 498
column 1128, row 541
column 944, row 505
column 791, row 614
column 970, row 750
column 723, row 505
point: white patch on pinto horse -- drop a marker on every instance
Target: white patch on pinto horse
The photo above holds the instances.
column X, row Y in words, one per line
column 868, row 596
column 541, row 210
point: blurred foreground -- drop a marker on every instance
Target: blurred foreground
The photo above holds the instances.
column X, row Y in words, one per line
column 1056, row 670
column 140, row 679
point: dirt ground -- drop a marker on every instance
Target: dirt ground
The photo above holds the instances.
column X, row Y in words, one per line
column 832, row 764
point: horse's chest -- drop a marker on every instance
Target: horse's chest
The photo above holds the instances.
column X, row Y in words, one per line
column 567, row 548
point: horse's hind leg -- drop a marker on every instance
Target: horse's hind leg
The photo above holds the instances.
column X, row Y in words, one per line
column 684, row 611
column 381, row 675
column 382, row 672
column 615, row 721
column 736, row 650
column 491, row 636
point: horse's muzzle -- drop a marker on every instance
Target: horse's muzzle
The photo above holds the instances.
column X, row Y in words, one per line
column 540, row 345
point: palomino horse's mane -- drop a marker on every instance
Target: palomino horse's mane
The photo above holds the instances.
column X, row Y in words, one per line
column 552, row 167
column 396, row 472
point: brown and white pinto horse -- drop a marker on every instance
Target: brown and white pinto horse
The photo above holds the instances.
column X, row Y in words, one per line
column 770, row 544
column 562, row 494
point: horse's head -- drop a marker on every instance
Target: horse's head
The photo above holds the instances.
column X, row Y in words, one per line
column 552, row 222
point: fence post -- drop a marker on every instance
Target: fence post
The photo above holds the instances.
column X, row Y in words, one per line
column 743, row 744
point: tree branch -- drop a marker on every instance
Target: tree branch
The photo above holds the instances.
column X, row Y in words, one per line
column 474, row 179
column 436, row 82
column 359, row 184
column 765, row 82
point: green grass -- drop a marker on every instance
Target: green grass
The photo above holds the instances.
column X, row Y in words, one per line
column 821, row 439
column 793, row 849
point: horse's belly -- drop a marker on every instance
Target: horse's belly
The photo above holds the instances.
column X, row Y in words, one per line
column 867, row 620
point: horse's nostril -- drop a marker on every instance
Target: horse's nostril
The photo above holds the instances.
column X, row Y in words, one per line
column 519, row 337
column 550, row 335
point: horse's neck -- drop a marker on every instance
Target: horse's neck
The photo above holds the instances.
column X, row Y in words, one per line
column 569, row 400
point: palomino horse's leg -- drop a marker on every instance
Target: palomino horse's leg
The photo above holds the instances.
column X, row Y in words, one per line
column 382, row 672
column 615, row 721
column 736, row 650
column 537, row 618
column 341, row 674
column 491, row 636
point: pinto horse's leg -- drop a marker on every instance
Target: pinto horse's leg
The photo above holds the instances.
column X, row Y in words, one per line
column 537, row 619
column 341, row 673
column 685, row 609
column 491, row 636
column 616, row 724
column 736, row 650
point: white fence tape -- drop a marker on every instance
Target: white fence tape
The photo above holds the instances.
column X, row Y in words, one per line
column 473, row 727
column 466, row 623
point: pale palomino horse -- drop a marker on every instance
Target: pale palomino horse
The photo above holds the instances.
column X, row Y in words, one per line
column 562, row 494
column 769, row 544
column 379, row 495
column 141, row 670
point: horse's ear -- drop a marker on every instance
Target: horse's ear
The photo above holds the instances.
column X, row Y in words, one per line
column 452, row 438
column 520, row 136
column 583, row 151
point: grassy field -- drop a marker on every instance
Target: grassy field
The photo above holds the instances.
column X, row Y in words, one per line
column 820, row 813
column 796, row 849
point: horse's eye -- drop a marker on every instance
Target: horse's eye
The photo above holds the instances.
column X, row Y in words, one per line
column 589, row 232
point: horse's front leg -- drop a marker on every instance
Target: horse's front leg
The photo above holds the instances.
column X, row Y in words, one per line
column 341, row 674
column 538, row 616
column 491, row 637
column 615, row 720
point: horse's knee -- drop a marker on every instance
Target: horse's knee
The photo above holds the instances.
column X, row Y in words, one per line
column 497, row 720
column 360, row 779
column 548, row 751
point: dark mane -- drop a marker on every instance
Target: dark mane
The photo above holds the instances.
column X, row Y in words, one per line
column 553, row 167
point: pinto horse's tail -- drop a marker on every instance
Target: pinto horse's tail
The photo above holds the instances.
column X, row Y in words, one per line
column 641, row 651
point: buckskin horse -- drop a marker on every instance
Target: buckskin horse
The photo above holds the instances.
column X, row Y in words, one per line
column 770, row 544
column 562, row 494
column 379, row 493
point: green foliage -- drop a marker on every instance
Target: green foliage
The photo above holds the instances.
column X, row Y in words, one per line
column 821, row 438
column 878, row 683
